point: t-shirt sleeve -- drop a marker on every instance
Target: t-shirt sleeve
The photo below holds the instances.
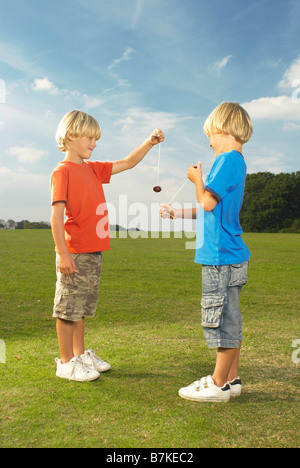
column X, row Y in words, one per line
column 221, row 178
column 102, row 170
column 59, row 187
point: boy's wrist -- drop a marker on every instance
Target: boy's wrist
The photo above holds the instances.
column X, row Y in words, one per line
column 148, row 143
column 177, row 213
column 62, row 252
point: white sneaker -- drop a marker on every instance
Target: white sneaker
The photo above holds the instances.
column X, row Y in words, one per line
column 205, row 390
column 75, row 370
column 92, row 361
column 235, row 387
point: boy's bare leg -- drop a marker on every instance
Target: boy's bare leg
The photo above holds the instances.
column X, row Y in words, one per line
column 78, row 337
column 64, row 330
column 70, row 339
column 234, row 371
column 225, row 359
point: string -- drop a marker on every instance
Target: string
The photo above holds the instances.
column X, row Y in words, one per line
column 173, row 198
column 158, row 166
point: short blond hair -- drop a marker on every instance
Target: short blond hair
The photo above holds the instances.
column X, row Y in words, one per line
column 76, row 124
column 230, row 118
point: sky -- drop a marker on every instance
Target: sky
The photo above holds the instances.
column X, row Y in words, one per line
column 137, row 65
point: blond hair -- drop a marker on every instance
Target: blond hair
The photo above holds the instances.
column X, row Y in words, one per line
column 76, row 124
column 230, row 118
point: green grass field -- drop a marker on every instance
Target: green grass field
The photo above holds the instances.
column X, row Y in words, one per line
column 148, row 327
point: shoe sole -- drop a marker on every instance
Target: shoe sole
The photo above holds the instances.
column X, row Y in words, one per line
column 78, row 380
column 204, row 399
column 104, row 370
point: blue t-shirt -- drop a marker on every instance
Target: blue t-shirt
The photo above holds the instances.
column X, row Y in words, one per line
column 219, row 232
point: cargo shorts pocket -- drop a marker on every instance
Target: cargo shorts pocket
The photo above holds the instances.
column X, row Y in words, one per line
column 65, row 299
column 211, row 309
column 238, row 274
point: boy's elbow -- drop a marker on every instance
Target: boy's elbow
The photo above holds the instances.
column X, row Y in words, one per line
column 121, row 166
column 130, row 163
column 210, row 204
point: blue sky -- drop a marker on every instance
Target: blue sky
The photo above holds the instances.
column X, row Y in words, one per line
column 136, row 65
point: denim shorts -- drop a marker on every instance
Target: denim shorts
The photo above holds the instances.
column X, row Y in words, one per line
column 221, row 314
column 76, row 295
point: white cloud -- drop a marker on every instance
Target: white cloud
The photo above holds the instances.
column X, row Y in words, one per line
column 44, row 85
column 4, row 170
column 120, row 81
column 2, row 92
column 24, row 195
column 291, row 75
column 16, row 59
column 26, row 155
column 269, row 157
column 138, row 121
column 137, row 12
column 273, row 108
column 220, row 64
column 91, row 102
column 124, row 58
column 291, row 127
column 145, row 118
column 280, row 107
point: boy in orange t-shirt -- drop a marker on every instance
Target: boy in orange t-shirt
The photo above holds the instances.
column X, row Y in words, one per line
column 77, row 193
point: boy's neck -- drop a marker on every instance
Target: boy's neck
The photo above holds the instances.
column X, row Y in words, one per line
column 238, row 148
column 229, row 143
column 73, row 157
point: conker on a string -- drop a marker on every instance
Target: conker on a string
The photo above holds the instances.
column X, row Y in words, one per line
column 157, row 189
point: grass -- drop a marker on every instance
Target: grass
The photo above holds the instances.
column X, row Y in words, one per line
column 148, row 327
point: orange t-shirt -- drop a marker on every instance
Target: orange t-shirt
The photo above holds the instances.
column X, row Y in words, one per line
column 80, row 187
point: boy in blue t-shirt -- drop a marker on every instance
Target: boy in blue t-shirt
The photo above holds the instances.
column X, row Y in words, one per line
column 220, row 249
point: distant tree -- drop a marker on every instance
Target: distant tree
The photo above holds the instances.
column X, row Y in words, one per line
column 10, row 224
column 20, row 224
column 37, row 225
column 271, row 202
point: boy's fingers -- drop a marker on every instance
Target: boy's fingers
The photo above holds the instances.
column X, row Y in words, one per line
column 69, row 270
column 158, row 136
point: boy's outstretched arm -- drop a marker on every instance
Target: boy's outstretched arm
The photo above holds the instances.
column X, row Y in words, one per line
column 137, row 155
column 168, row 211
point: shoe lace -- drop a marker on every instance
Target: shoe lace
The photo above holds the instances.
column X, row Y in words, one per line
column 76, row 363
column 92, row 354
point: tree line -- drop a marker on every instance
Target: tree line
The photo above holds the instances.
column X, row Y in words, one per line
column 271, row 204
column 24, row 224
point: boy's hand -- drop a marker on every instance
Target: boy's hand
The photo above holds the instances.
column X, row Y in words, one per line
column 167, row 211
column 66, row 264
column 156, row 137
column 137, row 155
column 195, row 173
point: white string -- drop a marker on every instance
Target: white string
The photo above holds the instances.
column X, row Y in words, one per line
column 173, row 198
column 158, row 166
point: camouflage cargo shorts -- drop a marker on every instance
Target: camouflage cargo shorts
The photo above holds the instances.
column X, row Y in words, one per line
column 76, row 295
